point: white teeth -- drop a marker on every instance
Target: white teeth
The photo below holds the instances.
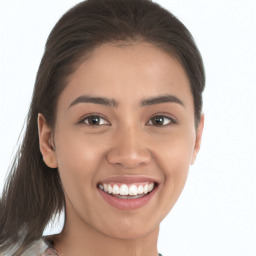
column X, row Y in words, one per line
column 130, row 197
column 124, row 190
column 133, row 191
column 145, row 188
column 140, row 190
column 150, row 186
column 109, row 189
column 116, row 190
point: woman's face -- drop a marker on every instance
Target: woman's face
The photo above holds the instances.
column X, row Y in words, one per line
column 124, row 123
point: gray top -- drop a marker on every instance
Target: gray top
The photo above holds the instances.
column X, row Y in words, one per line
column 39, row 248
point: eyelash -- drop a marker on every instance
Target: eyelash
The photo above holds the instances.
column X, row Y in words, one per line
column 162, row 116
column 83, row 121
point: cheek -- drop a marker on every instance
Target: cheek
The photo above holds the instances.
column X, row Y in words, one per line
column 175, row 151
column 173, row 156
column 79, row 157
column 78, row 149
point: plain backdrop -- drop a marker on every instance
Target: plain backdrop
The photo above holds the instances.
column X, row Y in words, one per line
column 216, row 212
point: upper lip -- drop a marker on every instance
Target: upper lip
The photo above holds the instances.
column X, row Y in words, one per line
column 129, row 179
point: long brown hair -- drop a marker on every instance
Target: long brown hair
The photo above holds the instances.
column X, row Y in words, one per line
column 33, row 192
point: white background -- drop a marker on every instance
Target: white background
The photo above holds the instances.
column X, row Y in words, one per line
column 216, row 213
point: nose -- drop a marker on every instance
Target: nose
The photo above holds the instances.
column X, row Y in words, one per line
column 129, row 151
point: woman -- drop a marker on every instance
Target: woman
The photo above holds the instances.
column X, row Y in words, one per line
column 114, row 124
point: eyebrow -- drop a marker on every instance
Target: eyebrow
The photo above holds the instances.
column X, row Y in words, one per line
column 162, row 99
column 113, row 103
column 95, row 100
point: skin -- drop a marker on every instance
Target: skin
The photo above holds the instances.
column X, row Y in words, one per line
column 127, row 142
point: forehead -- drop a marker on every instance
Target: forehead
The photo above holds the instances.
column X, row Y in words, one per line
column 128, row 73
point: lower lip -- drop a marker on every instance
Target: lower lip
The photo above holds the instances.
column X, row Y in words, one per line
column 127, row 204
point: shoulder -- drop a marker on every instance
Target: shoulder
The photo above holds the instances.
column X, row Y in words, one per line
column 41, row 247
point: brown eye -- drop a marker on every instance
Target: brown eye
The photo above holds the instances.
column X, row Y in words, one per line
column 160, row 121
column 95, row 120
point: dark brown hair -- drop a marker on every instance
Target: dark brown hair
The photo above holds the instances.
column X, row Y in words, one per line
column 33, row 192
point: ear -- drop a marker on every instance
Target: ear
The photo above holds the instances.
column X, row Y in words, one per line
column 199, row 132
column 46, row 142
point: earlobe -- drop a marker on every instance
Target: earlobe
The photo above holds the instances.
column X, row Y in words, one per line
column 46, row 143
column 199, row 132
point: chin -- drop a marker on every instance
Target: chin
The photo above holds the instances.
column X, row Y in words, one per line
column 126, row 229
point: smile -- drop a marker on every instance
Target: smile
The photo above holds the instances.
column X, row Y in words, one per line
column 127, row 195
column 127, row 191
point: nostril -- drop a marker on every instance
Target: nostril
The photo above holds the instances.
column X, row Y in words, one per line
column 131, row 165
column 129, row 159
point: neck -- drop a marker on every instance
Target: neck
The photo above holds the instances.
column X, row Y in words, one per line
column 79, row 239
